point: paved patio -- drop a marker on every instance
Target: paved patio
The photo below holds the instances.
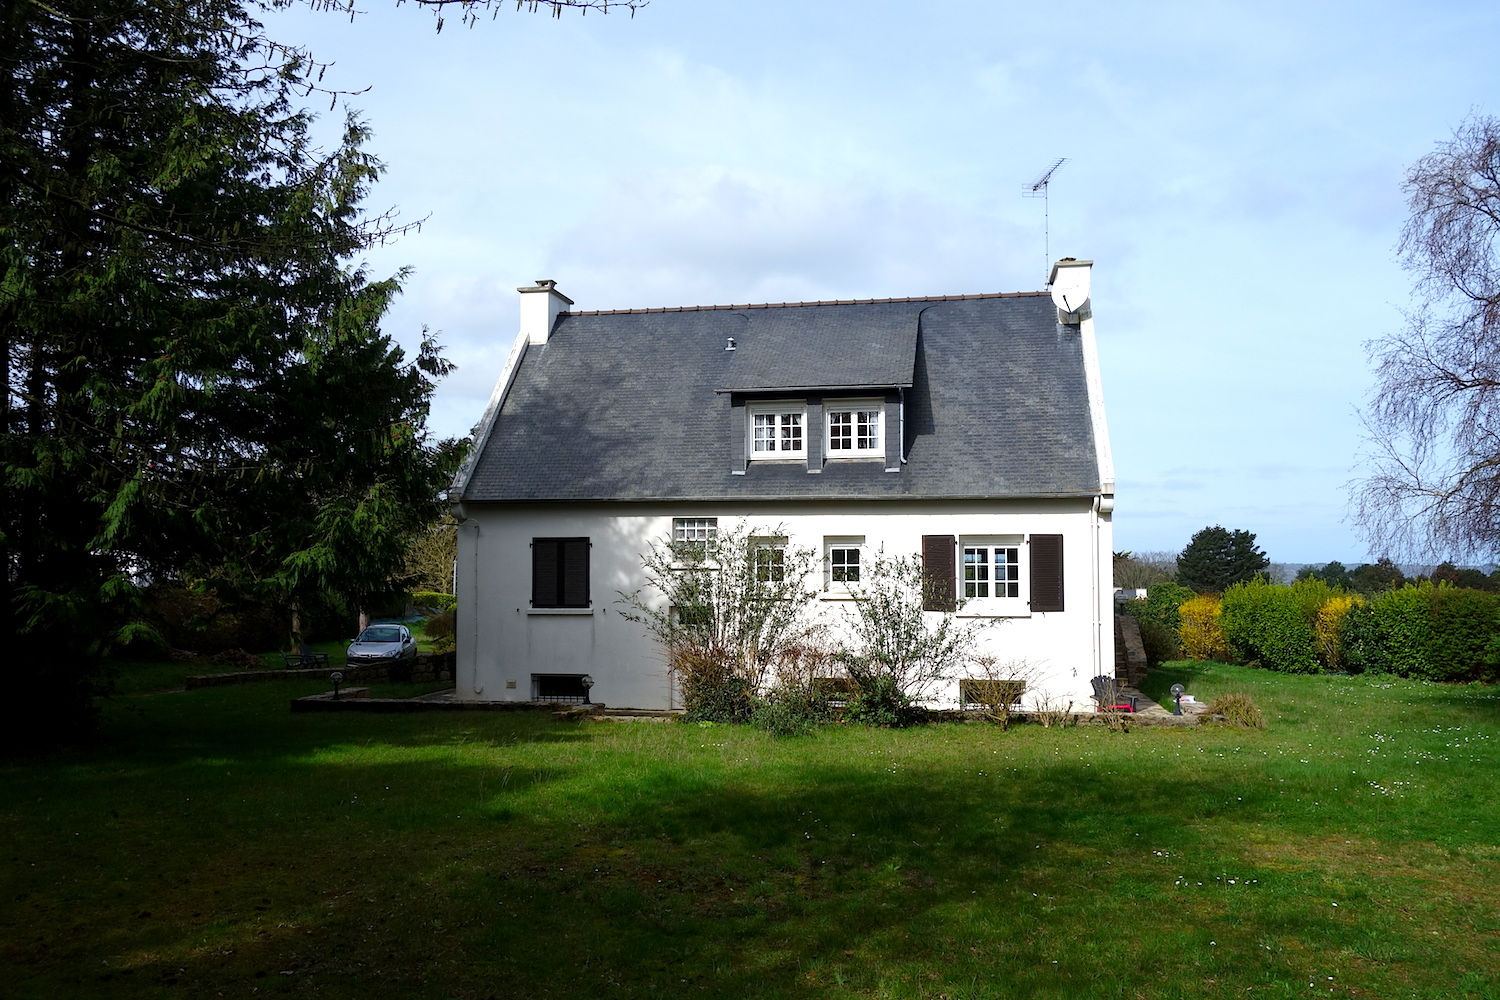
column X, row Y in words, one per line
column 1147, row 708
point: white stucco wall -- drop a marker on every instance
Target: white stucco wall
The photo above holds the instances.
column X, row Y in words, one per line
column 502, row 642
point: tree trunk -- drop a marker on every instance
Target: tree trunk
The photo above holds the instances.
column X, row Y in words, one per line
column 297, row 639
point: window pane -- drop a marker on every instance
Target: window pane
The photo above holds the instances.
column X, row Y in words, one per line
column 1007, row 572
column 791, row 432
column 694, row 529
column 765, row 432
column 844, row 565
column 869, row 430
column 976, row 572
column 840, row 431
column 770, row 564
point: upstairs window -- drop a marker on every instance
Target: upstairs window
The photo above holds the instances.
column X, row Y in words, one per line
column 855, row 429
column 778, row 431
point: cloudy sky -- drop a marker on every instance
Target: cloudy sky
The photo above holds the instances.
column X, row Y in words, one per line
column 1234, row 170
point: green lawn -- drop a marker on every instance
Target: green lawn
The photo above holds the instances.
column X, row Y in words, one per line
column 215, row 844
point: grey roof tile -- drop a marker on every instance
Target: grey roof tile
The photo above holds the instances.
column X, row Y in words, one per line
column 633, row 406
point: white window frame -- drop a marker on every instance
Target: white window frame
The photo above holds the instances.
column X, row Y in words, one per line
column 782, row 416
column 989, row 604
column 690, row 552
column 835, row 589
column 694, row 529
column 853, row 410
column 775, row 547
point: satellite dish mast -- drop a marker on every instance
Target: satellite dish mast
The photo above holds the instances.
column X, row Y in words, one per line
column 1039, row 188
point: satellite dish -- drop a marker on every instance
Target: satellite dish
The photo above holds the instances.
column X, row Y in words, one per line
column 1070, row 284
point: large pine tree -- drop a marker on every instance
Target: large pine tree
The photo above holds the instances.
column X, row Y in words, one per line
column 1216, row 559
column 195, row 380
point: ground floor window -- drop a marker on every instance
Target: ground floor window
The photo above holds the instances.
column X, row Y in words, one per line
column 567, row 689
column 694, row 529
column 768, row 559
column 559, row 572
column 843, row 562
column 991, row 571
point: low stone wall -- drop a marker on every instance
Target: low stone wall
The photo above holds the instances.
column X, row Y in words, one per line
column 1130, row 651
column 427, row 667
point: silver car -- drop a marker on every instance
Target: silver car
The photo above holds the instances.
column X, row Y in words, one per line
column 382, row 643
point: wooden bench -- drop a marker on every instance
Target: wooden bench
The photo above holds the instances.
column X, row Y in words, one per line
column 304, row 657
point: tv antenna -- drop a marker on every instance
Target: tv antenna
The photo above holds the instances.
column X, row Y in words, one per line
column 1040, row 188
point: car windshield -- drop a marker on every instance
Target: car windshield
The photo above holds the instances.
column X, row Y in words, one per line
column 385, row 634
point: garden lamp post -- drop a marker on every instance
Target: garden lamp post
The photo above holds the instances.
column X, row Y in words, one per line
column 337, row 676
column 588, row 682
column 1177, row 692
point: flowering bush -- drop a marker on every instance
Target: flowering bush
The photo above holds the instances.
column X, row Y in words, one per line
column 1326, row 628
column 1201, row 630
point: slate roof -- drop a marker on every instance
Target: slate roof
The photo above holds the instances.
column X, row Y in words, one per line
column 636, row 405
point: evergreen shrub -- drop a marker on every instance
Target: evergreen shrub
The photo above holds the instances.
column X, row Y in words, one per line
column 1361, row 641
column 1273, row 623
column 880, row 702
column 1161, row 642
column 1438, row 633
column 1162, row 604
column 1404, row 621
column 435, row 600
column 790, row 710
column 1465, row 643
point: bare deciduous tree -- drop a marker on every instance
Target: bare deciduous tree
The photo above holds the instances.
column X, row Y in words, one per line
column 727, row 610
column 469, row 10
column 896, row 640
column 1434, row 421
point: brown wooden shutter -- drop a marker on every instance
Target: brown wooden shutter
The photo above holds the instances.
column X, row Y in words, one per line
column 1046, row 572
column 938, row 572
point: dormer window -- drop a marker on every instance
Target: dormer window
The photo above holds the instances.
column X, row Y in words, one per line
column 855, row 428
column 778, row 430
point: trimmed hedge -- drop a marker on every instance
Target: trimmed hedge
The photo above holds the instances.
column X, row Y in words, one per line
column 435, row 600
column 1438, row 633
column 1274, row 624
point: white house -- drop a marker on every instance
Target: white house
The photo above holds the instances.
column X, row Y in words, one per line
column 968, row 429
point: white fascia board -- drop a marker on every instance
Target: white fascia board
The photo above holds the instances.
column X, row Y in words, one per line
column 491, row 414
column 1096, row 404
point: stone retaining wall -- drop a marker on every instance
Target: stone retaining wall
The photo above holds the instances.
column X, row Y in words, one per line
column 425, row 668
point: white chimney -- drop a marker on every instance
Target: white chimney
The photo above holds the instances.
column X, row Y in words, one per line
column 1069, row 283
column 540, row 307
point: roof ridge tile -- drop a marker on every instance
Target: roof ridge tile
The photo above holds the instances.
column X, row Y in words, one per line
column 795, row 305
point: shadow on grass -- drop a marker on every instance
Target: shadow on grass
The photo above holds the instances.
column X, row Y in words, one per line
column 223, row 845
